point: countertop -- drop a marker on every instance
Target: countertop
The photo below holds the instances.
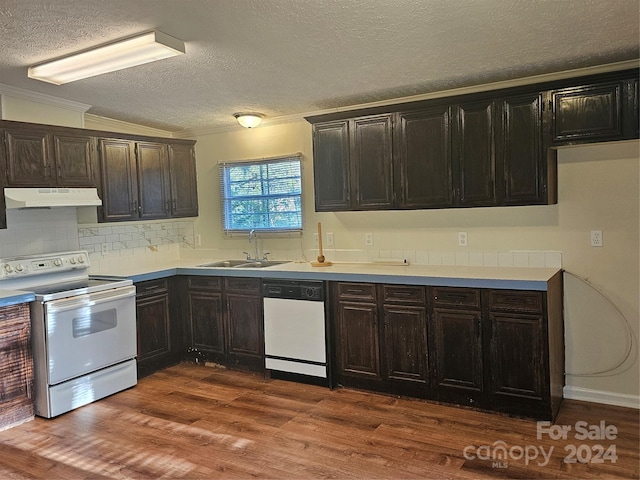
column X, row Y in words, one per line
column 13, row 297
column 434, row 275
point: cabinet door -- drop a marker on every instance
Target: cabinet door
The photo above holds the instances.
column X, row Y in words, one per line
column 16, row 367
column 184, row 191
column 246, row 330
column 331, row 166
column 473, row 144
column 207, row 321
column 457, row 346
column 152, row 316
column 153, row 180
column 118, row 180
column 405, row 345
column 522, row 166
column 74, row 160
column 423, row 158
column 588, row 113
column 28, row 158
column 357, row 347
column 371, row 158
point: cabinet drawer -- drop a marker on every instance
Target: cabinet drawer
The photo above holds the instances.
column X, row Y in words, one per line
column 151, row 287
column 205, row 283
column 453, row 296
column 242, row 285
column 521, row 301
column 403, row 294
column 359, row 291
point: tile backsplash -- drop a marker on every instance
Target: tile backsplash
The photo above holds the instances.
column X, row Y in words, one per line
column 39, row 230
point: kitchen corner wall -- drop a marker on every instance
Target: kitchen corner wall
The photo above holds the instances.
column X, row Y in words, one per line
column 598, row 189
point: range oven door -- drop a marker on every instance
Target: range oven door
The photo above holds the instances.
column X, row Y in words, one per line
column 89, row 332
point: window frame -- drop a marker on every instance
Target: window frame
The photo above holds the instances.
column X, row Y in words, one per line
column 224, row 197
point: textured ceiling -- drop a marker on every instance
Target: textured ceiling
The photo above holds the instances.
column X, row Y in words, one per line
column 285, row 57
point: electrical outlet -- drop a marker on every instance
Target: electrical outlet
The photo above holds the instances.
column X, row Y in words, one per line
column 315, row 239
column 463, row 239
column 330, row 240
column 198, row 239
column 368, row 239
column 596, row 238
column 105, row 249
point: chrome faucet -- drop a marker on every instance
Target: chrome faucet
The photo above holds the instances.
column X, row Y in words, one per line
column 254, row 237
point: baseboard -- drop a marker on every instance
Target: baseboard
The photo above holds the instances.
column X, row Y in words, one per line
column 599, row 396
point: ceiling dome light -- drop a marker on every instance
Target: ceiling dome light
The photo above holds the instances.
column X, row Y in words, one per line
column 249, row 120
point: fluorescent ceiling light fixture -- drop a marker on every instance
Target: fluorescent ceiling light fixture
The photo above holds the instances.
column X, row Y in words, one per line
column 125, row 53
column 249, row 120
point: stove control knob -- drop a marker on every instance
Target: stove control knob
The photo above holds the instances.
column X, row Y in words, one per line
column 8, row 268
column 72, row 261
column 81, row 259
column 19, row 268
column 57, row 262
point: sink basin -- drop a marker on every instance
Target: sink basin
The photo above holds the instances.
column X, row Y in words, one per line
column 261, row 264
column 224, row 263
column 242, row 264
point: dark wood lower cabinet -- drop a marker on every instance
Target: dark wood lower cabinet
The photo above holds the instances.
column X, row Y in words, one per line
column 457, row 356
column 158, row 335
column 500, row 350
column 357, row 336
column 225, row 322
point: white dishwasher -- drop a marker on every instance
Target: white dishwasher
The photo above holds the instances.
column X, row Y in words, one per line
column 294, row 327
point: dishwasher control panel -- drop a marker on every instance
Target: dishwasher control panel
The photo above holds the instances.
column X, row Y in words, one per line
column 293, row 289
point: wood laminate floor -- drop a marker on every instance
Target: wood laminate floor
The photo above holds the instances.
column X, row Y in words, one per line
column 198, row 422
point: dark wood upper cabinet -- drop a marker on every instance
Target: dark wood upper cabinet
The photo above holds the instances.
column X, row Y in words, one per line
column 74, row 156
column 474, row 149
column 371, row 159
column 137, row 177
column 521, row 166
column 331, row 166
column 28, row 157
column 119, row 175
column 153, row 180
column 483, row 149
column 423, row 154
column 588, row 112
column 37, row 157
column 184, row 188
column 147, row 180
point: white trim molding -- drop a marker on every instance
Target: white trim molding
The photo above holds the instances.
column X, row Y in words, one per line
column 600, row 396
column 111, row 124
column 21, row 93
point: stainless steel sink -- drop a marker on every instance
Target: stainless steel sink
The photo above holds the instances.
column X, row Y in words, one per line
column 224, row 263
column 242, row 264
column 261, row 264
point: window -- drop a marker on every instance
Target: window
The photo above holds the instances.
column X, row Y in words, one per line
column 263, row 195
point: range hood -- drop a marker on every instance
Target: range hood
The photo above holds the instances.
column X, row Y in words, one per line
column 51, row 197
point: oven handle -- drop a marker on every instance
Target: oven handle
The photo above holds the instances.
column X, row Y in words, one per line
column 90, row 299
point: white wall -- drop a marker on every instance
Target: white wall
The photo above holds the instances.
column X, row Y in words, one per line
column 598, row 189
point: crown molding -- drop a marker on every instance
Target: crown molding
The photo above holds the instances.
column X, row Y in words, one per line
column 111, row 124
column 43, row 98
column 542, row 78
